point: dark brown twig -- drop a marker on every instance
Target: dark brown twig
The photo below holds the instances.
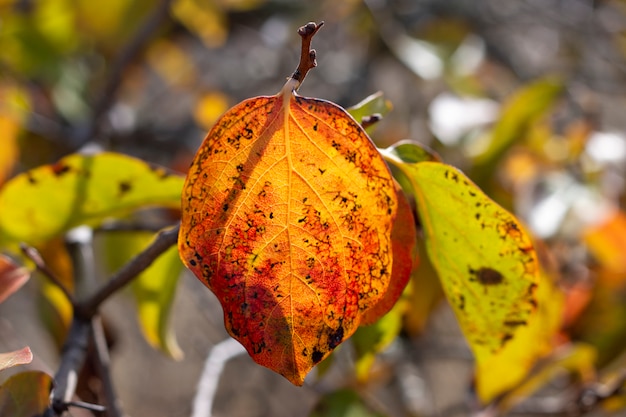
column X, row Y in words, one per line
column 75, row 348
column 307, row 55
column 128, row 272
column 72, row 359
column 34, row 255
column 104, row 369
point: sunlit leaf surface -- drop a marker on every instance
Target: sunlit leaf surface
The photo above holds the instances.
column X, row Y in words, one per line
column 510, row 366
column 81, row 189
column 484, row 258
column 287, row 217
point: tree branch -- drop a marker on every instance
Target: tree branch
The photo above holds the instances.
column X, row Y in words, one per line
column 128, row 272
column 75, row 348
column 34, row 255
column 104, row 368
column 72, row 359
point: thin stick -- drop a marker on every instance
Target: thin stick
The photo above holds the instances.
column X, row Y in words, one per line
column 34, row 255
column 210, row 378
column 307, row 55
column 72, row 359
column 128, row 272
column 103, row 363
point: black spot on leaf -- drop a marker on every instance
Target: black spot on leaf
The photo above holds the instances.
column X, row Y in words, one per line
column 335, row 338
column 124, row 187
column 60, row 169
column 317, row 356
column 487, row 276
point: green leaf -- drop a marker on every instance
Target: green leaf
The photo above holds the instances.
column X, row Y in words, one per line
column 485, row 260
column 373, row 105
column 371, row 340
column 17, row 357
column 81, row 189
column 25, row 394
column 154, row 288
column 342, row 403
column 524, row 107
column 411, row 152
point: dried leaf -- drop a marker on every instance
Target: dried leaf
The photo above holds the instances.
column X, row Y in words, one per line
column 403, row 238
column 287, row 216
column 17, row 357
column 12, row 277
column 25, row 394
column 80, row 189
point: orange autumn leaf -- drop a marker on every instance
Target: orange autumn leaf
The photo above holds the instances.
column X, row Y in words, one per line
column 287, row 213
column 403, row 240
column 607, row 242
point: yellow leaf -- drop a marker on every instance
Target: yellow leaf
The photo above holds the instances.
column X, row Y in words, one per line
column 209, row 108
column 484, row 258
column 203, row 18
column 508, row 367
column 81, row 189
column 173, row 64
column 154, row 288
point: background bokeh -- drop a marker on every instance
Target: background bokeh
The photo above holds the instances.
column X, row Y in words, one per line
column 526, row 96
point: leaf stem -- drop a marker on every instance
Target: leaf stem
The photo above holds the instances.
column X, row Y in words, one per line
column 307, row 55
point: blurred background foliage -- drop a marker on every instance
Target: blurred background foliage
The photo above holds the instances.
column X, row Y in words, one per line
column 527, row 97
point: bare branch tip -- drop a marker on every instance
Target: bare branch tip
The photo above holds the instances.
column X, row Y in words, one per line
column 310, row 29
column 308, row 55
column 32, row 254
